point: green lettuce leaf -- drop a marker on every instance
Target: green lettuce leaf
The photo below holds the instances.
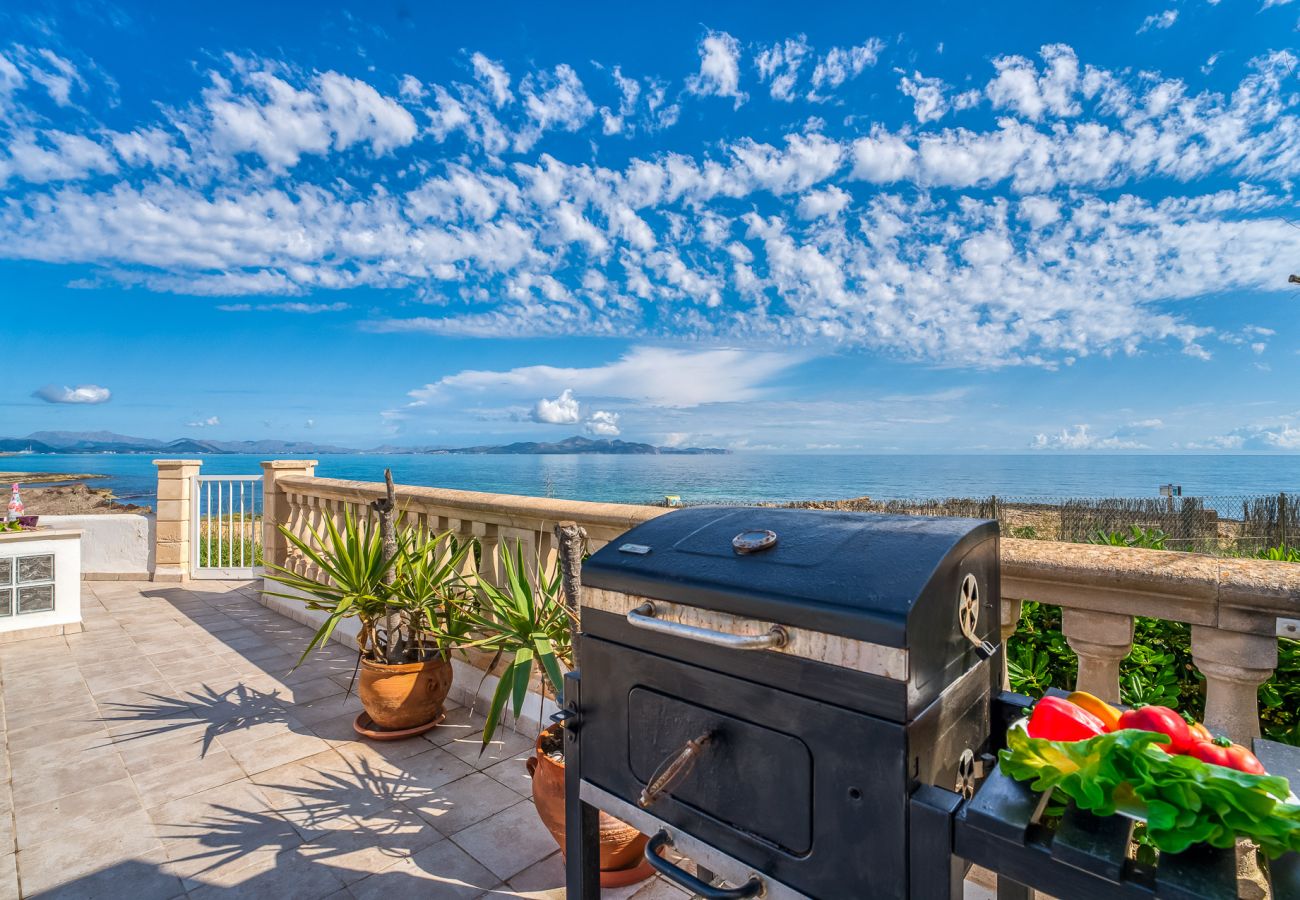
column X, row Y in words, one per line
column 1184, row 801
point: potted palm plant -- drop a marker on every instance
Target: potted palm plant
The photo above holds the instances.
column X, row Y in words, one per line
column 529, row 626
column 406, row 594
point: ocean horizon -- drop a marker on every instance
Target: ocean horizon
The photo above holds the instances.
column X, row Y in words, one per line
column 745, row 476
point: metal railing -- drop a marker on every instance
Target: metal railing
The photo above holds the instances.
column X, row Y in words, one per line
column 226, row 518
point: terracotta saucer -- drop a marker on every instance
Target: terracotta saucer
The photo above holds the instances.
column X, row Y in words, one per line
column 366, row 727
column 617, row 878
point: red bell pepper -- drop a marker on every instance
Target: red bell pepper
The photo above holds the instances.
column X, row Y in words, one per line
column 1162, row 720
column 1223, row 752
column 1060, row 720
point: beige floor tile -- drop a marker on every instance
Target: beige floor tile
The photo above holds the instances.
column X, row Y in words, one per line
column 503, row 746
column 508, row 842
column 47, row 821
column 9, row 875
column 140, row 877
column 440, row 872
column 328, row 708
column 464, row 802
column 182, row 779
column 354, row 854
column 459, row 723
column 285, row 874
column 60, row 775
column 276, row 751
column 82, row 850
column 338, row 730
column 382, row 755
column 513, row 773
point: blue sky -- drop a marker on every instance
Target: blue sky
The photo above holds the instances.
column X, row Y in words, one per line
column 902, row 227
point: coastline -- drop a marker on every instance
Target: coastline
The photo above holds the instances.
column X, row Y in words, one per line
column 66, row 494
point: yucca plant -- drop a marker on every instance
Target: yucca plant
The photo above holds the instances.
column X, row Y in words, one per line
column 528, row 624
column 408, row 603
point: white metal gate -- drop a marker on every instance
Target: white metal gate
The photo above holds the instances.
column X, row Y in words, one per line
column 226, row 523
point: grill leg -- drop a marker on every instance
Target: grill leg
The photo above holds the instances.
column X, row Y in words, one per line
column 581, row 820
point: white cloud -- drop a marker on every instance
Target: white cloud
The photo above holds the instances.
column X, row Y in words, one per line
column 778, row 66
column 842, row 63
column 658, row 376
column 305, row 308
column 553, row 100
column 1082, row 438
column 1027, row 240
column 1164, row 19
column 209, row 422
column 602, row 424
column 1282, row 435
column 927, row 96
column 719, row 74
column 494, row 77
column 262, row 112
column 81, row 394
column 563, row 410
column 817, row 204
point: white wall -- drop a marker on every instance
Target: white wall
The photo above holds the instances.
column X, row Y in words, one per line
column 113, row 545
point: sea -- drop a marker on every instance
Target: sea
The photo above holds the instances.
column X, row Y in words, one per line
column 746, row 477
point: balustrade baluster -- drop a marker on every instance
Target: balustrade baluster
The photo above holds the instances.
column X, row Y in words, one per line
column 1101, row 641
column 1234, row 664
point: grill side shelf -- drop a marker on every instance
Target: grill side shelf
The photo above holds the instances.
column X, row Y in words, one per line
column 1087, row 855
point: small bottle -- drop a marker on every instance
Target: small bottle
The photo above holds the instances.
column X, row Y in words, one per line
column 15, row 506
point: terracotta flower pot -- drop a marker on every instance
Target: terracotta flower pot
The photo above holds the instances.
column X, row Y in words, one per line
column 622, row 847
column 406, row 695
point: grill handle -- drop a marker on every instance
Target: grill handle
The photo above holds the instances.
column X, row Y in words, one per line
column 751, row 888
column 644, row 617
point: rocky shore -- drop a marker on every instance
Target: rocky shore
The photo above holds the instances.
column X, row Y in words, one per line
column 59, row 498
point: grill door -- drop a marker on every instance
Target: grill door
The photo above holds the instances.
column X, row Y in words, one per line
column 812, row 794
column 737, row 754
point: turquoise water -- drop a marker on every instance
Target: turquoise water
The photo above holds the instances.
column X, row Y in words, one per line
column 752, row 476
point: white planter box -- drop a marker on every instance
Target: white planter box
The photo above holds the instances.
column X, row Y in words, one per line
column 40, row 583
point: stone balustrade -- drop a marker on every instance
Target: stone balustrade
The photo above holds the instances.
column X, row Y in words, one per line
column 1232, row 605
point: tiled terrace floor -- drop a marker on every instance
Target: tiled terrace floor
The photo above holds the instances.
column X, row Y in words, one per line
column 168, row 751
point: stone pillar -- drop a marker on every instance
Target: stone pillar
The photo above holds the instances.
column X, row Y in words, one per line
column 1101, row 640
column 1234, row 664
column 1010, row 622
column 172, row 548
column 275, row 505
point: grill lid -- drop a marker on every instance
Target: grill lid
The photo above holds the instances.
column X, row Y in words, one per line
column 853, row 574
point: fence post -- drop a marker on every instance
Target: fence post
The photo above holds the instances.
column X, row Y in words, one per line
column 1281, row 519
column 275, row 505
column 172, row 560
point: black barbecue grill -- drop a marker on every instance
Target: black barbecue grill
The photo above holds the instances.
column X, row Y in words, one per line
column 764, row 689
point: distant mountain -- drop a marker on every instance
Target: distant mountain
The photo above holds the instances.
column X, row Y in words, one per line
column 578, row 444
column 17, row 445
column 109, row 442
column 92, row 441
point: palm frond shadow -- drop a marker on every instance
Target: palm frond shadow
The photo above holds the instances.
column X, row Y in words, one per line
column 362, row 804
column 218, row 712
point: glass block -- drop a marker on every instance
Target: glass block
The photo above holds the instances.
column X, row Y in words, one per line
column 36, row 598
column 6, row 601
column 7, row 570
column 35, row 568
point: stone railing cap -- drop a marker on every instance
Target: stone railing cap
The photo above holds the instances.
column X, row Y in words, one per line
column 507, row 507
column 178, row 462
column 289, row 463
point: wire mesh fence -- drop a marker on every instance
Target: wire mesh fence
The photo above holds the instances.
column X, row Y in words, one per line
column 1226, row 525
